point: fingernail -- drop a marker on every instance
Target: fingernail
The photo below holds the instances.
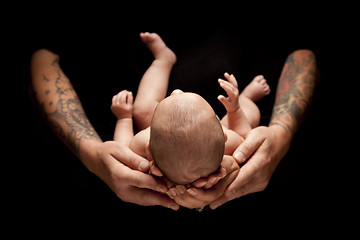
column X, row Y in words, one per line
column 173, row 206
column 161, row 189
column 180, row 188
column 143, row 165
column 191, row 191
column 173, row 192
column 169, row 194
column 215, row 206
column 239, row 156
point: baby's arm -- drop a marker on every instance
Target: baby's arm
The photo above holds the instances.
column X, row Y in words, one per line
column 122, row 107
column 237, row 120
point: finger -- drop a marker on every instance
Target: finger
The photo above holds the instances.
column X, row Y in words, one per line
column 230, row 89
column 251, row 143
column 188, row 201
column 237, row 187
column 155, row 170
column 142, row 180
column 225, row 84
column 223, row 100
column 204, row 195
column 200, row 182
column 220, row 201
column 129, row 158
column 113, row 100
column 130, row 99
column 226, row 165
column 231, row 78
column 117, row 98
column 123, row 96
column 230, row 195
column 147, row 197
column 211, row 180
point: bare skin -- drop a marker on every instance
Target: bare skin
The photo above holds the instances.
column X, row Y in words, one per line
column 120, row 168
column 146, row 100
column 123, row 171
column 268, row 145
column 151, row 92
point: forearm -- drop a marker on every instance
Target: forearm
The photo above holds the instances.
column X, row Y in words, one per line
column 124, row 131
column 294, row 92
column 60, row 105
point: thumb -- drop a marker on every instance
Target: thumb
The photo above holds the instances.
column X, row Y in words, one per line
column 251, row 143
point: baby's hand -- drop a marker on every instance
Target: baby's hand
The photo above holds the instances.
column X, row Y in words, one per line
column 231, row 103
column 122, row 104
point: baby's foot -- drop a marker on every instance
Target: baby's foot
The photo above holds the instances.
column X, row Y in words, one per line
column 157, row 47
column 257, row 89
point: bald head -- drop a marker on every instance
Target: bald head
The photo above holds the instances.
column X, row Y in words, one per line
column 187, row 141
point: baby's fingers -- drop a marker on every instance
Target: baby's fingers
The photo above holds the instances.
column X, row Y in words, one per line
column 230, row 89
column 117, row 98
column 224, row 101
column 130, row 98
column 123, row 96
column 231, row 78
column 114, row 100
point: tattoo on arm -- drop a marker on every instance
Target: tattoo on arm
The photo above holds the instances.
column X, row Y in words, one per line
column 294, row 91
column 69, row 120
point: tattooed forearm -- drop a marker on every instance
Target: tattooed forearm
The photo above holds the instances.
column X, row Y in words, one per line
column 63, row 109
column 295, row 90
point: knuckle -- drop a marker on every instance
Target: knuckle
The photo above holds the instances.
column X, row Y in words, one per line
column 132, row 161
column 245, row 149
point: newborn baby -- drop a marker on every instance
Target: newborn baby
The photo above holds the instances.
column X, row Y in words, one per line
column 181, row 133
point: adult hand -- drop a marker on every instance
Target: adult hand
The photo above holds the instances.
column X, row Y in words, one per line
column 206, row 190
column 268, row 145
column 123, row 171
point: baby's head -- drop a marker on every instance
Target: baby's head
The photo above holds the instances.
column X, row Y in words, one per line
column 187, row 140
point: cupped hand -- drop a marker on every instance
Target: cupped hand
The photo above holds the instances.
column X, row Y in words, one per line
column 124, row 172
column 196, row 196
column 266, row 146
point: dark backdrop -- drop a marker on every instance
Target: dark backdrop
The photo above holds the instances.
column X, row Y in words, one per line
column 102, row 57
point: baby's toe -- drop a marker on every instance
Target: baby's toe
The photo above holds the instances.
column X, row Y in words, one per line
column 258, row 78
column 266, row 89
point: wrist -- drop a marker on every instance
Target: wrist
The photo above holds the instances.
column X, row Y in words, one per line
column 233, row 109
column 124, row 116
column 282, row 138
column 88, row 154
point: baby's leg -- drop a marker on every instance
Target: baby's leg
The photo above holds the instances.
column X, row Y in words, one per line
column 255, row 91
column 154, row 83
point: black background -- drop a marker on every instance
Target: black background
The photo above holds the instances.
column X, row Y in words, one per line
column 101, row 52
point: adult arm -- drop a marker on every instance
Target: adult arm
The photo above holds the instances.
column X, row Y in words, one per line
column 120, row 168
column 268, row 145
